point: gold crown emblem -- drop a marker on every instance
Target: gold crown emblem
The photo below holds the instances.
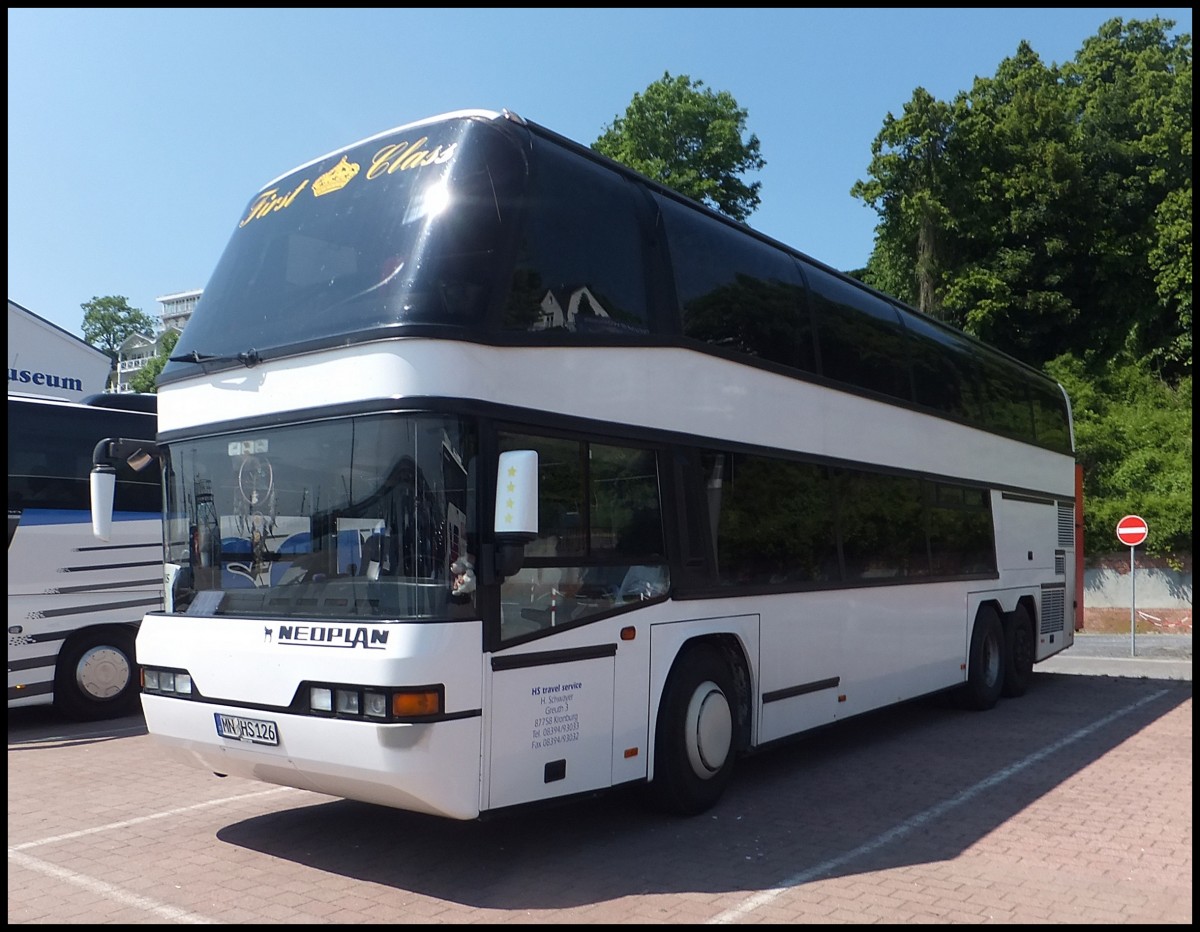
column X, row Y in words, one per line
column 336, row 178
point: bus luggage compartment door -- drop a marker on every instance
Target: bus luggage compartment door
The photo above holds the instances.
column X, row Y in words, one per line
column 551, row 724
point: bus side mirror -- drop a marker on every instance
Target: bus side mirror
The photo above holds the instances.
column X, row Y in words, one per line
column 103, row 484
column 138, row 454
column 516, row 508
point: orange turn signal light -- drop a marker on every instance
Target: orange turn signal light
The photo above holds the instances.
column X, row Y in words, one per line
column 425, row 702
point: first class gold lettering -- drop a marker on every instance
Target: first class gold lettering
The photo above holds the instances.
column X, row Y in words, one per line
column 270, row 201
column 401, row 156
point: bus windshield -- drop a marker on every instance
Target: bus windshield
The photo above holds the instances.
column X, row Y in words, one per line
column 353, row 243
column 346, row 518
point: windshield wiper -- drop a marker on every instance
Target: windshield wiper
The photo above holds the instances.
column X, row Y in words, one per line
column 249, row 359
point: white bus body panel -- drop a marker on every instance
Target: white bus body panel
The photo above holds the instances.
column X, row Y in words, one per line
column 854, row 650
column 595, row 727
column 1031, row 542
column 737, row 406
column 1025, row 534
column 243, row 664
column 605, row 695
column 61, row 579
column 551, row 730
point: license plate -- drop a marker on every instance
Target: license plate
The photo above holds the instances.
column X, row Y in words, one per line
column 254, row 730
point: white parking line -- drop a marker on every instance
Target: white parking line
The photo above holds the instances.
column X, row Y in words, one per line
column 17, row 856
column 765, row 897
column 147, row 818
column 107, row 890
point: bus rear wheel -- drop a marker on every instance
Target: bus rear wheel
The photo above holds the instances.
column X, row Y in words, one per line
column 1018, row 662
column 697, row 738
column 96, row 675
column 985, row 663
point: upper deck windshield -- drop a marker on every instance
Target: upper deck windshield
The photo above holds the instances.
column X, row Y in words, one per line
column 362, row 517
column 363, row 239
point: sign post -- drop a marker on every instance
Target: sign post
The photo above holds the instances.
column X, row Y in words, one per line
column 1132, row 531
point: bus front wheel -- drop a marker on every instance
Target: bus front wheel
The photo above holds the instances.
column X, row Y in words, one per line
column 985, row 663
column 96, row 675
column 696, row 739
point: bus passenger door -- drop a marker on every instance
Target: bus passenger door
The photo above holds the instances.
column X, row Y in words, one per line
column 551, row 728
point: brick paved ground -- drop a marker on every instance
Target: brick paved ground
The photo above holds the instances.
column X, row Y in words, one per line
column 1070, row 805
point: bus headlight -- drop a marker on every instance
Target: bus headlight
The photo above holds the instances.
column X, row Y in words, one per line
column 320, row 699
column 347, row 702
column 375, row 705
column 167, row 682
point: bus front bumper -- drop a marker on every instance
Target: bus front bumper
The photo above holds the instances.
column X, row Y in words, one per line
column 429, row 767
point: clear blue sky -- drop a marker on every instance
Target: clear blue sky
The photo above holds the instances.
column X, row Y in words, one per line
column 136, row 137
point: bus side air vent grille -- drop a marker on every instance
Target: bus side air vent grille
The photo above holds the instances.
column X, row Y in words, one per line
column 1066, row 524
column 1054, row 600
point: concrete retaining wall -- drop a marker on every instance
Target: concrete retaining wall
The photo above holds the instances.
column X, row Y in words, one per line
column 1107, row 584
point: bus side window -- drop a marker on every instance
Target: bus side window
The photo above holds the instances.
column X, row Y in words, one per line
column 600, row 545
column 735, row 293
column 581, row 264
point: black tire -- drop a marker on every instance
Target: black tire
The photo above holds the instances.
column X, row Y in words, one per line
column 97, row 676
column 985, row 663
column 1020, row 649
column 697, row 736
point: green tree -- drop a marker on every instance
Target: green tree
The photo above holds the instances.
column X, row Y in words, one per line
column 974, row 198
column 1048, row 209
column 691, row 139
column 1012, row 280
column 145, row 379
column 907, row 190
column 1133, row 436
column 1171, row 260
column 1131, row 94
column 109, row 321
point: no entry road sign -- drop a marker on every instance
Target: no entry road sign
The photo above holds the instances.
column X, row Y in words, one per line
column 1132, row 530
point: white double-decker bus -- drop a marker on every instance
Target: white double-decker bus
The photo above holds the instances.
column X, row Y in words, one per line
column 495, row 472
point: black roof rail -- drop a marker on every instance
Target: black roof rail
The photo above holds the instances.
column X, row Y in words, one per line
column 124, row 401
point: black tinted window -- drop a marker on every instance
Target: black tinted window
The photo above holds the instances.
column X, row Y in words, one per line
column 50, row 456
column 765, row 522
column 600, row 546
column 1050, row 419
column 882, row 526
column 859, row 336
column 1006, row 404
column 581, row 265
column 960, row 530
column 774, row 520
column 944, row 374
column 736, row 292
